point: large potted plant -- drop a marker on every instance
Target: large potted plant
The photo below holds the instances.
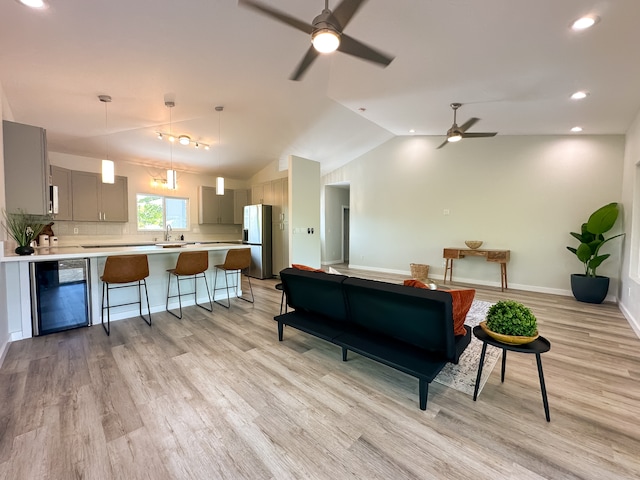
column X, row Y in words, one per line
column 588, row 286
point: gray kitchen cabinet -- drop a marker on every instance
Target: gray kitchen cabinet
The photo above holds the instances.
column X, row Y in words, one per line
column 61, row 177
column 257, row 194
column 240, row 200
column 26, row 168
column 215, row 209
column 95, row 201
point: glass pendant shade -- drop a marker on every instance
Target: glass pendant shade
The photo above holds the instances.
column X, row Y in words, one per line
column 219, row 185
column 172, row 180
column 108, row 171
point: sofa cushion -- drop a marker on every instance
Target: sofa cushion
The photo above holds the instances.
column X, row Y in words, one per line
column 299, row 266
column 315, row 292
column 402, row 313
column 461, row 302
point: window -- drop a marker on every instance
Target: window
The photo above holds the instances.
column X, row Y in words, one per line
column 155, row 212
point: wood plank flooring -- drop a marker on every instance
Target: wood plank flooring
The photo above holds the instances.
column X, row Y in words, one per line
column 216, row 396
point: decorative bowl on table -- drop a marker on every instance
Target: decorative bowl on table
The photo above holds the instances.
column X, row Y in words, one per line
column 473, row 244
column 508, row 339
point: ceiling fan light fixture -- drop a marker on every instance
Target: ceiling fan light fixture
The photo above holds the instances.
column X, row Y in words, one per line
column 40, row 4
column 454, row 137
column 325, row 40
column 585, row 22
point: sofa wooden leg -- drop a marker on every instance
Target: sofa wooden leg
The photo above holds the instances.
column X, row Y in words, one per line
column 423, row 387
column 344, row 354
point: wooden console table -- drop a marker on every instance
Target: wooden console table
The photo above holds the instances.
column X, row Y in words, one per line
column 496, row 256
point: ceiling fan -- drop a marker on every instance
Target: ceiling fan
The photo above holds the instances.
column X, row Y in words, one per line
column 326, row 33
column 457, row 133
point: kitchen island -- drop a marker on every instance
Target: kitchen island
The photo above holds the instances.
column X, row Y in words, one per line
column 162, row 256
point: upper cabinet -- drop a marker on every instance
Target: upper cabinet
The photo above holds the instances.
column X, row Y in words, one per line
column 26, row 168
column 240, row 200
column 61, row 178
column 214, row 208
column 96, row 201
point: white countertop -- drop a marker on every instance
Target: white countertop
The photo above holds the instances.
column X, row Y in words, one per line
column 77, row 251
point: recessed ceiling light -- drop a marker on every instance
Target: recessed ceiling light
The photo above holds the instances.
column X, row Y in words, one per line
column 579, row 95
column 576, row 129
column 585, row 22
column 413, row 130
column 33, row 3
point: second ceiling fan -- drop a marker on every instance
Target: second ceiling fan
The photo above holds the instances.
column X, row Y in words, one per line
column 457, row 133
column 326, row 33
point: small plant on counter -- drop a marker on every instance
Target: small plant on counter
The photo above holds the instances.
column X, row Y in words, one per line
column 509, row 317
column 23, row 227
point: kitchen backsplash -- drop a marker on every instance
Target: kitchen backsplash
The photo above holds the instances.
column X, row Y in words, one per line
column 77, row 233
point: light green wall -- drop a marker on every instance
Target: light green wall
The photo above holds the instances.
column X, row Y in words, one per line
column 522, row 193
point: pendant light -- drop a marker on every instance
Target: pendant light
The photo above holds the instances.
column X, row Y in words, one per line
column 172, row 180
column 108, row 170
column 219, row 180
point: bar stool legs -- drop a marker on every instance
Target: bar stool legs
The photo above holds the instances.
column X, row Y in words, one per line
column 189, row 265
column 236, row 261
column 194, row 293
column 124, row 271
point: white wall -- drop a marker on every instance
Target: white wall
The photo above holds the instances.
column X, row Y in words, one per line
column 304, row 211
column 523, row 193
column 630, row 286
column 139, row 180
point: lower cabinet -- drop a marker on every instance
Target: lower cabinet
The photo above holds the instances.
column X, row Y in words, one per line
column 95, row 201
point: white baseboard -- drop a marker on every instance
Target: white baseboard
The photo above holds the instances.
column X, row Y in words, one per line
column 487, row 283
column 634, row 322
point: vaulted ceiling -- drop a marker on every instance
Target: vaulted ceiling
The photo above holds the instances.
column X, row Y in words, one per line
column 513, row 63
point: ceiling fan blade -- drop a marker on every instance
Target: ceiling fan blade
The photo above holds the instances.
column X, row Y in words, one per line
column 479, row 135
column 308, row 59
column 353, row 47
column 278, row 15
column 345, row 11
column 468, row 124
column 442, row 144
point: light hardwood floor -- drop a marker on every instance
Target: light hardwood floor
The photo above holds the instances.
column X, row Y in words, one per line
column 217, row 396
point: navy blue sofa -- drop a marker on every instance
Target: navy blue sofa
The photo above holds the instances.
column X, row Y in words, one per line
column 409, row 329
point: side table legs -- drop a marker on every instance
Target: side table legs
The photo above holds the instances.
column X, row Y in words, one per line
column 543, row 389
column 484, row 351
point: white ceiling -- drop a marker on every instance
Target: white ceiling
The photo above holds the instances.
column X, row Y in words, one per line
column 513, row 63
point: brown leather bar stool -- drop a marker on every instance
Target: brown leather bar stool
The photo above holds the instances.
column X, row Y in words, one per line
column 236, row 262
column 190, row 265
column 124, row 271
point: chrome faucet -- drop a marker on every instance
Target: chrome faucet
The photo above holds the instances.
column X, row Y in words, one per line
column 167, row 235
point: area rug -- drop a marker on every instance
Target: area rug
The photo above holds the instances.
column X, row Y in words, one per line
column 462, row 376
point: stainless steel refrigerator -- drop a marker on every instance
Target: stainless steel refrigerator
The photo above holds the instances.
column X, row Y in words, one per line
column 257, row 235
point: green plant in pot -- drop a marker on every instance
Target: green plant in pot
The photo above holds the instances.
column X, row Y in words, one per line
column 23, row 228
column 590, row 287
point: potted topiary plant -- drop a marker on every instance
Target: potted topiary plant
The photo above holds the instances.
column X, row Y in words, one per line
column 510, row 322
column 589, row 287
column 23, row 228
